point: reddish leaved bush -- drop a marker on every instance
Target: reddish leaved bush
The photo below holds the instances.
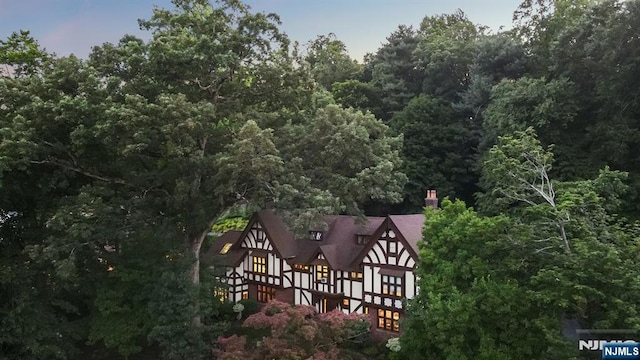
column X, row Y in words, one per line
column 296, row 332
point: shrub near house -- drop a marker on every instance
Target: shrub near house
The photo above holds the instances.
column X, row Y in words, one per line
column 298, row 332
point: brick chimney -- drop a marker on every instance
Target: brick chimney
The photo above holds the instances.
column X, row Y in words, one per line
column 431, row 200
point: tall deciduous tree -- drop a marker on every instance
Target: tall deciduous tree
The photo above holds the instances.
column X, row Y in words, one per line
column 329, row 61
column 116, row 169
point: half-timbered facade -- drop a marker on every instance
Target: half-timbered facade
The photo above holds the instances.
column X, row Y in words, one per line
column 357, row 266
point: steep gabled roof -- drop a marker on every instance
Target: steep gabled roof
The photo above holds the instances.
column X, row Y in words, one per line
column 338, row 244
column 410, row 227
column 232, row 256
column 279, row 234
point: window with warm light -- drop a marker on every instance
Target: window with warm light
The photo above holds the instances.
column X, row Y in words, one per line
column 392, row 285
column 266, row 293
column 356, row 275
column 260, row 264
column 225, row 248
column 245, row 295
column 322, row 272
column 301, row 267
column 221, row 294
column 388, row 320
column 345, row 303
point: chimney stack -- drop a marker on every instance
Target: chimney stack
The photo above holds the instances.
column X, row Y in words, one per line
column 431, row 200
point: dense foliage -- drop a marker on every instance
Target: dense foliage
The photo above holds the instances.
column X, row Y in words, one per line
column 283, row 331
column 116, row 169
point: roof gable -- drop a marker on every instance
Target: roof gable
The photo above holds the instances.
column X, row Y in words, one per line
column 278, row 234
column 408, row 229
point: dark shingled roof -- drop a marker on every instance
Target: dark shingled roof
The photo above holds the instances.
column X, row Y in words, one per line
column 410, row 226
column 279, row 234
column 338, row 242
column 232, row 257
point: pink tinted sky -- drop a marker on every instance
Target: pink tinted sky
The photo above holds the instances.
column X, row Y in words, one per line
column 74, row 26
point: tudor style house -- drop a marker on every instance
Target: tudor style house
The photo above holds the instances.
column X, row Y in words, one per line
column 363, row 267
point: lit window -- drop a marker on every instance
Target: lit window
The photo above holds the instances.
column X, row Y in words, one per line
column 392, row 285
column 260, row 264
column 345, row 303
column 322, row 272
column 356, row 275
column 245, row 295
column 225, row 248
column 221, row 294
column 366, row 310
column 301, row 267
column 266, row 293
column 388, row 320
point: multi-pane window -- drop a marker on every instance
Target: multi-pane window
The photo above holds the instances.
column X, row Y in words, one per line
column 322, row 272
column 388, row 320
column 221, row 294
column 362, row 239
column 266, row 293
column 392, row 247
column 392, row 285
column 260, row 264
column 301, row 267
column 355, row 275
column 315, row 235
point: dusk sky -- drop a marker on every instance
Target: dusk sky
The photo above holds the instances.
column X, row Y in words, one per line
column 74, row 26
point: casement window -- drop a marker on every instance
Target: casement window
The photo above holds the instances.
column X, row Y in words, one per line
column 345, row 303
column 221, row 294
column 259, row 264
column 322, row 272
column 392, row 247
column 260, row 236
column 392, row 285
column 301, row 267
column 388, row 320
column 354, row 275
column 266, row 293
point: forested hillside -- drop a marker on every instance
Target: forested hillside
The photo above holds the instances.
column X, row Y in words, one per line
column 115, row 168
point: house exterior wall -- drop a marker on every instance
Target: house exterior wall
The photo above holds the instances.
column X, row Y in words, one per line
column 385, row 279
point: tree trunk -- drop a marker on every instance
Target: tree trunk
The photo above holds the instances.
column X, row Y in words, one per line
column 195, row 247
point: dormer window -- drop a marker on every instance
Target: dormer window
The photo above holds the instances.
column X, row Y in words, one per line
column 315, row 235
column 362, row 239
